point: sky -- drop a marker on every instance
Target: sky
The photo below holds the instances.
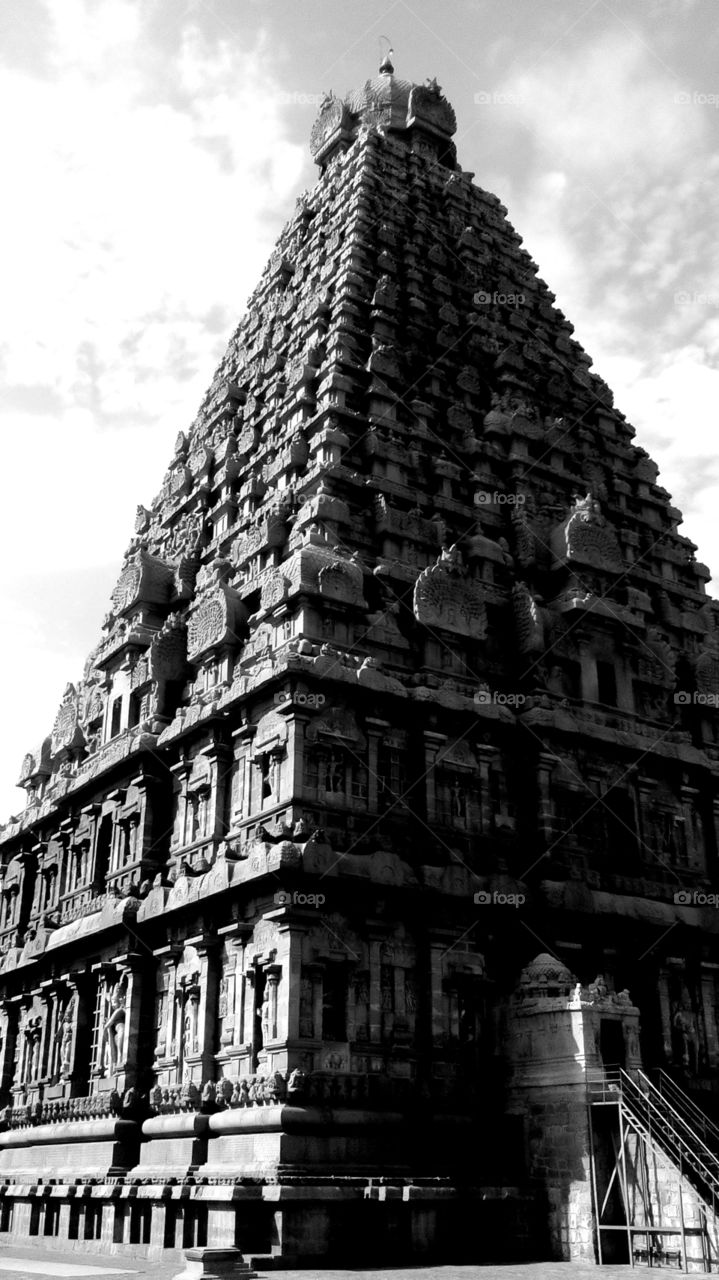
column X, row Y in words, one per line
column 152, row 151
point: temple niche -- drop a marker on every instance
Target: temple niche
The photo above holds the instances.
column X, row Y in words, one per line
column 406, row 668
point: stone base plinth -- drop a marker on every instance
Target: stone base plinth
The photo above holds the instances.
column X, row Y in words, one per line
column 214, row 1264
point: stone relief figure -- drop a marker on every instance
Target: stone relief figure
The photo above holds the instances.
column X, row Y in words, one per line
column 113, row 1031
column 187, row 1035
column 684, row 1038
column 66, row 1039
column 266, row 1018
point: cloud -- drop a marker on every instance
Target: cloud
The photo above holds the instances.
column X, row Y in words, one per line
column 615, row 202
column 139, row 225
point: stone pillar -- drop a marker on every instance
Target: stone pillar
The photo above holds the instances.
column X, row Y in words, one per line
column 709, row 978
column 166, row 1048
column 8, row 1043
column 666, row 1016
column 288, row 1010
column 486, row 756
column 208, row 949
column 49, row 991
column 376, row 730
column 83, row 988
column 219, row 756
column 546, row 764
column 433, row 742
column 590, row 682
column 131, row 969
column 242, row 744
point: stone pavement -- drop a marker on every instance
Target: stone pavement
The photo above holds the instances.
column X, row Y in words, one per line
column 18, row 1263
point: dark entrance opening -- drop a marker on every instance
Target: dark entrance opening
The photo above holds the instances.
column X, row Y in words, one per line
column 611, row 1044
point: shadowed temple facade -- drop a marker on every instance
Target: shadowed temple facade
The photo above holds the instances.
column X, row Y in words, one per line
column 361, row 908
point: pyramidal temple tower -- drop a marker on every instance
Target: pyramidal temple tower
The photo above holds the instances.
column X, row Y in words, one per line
column 380, row 831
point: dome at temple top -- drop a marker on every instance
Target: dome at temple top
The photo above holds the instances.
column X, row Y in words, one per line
column 385, row 91
column 544, row 976
column 386, row 102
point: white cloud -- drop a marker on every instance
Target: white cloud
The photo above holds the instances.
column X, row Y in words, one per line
column 133, row 231
column 616, row 207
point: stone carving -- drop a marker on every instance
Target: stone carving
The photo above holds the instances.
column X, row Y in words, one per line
column 66, row 730
column 445, row 597
column 67, row 1035
column 113, row 1028
column 341, row 580
column 586, row 538
column 216, row 619
column 528, row 619
column 706, row 673
column 146, row 579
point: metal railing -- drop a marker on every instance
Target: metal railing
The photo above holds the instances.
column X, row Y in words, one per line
column 664, row 1124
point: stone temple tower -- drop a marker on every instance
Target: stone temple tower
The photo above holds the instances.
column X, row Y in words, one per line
column 385, row 809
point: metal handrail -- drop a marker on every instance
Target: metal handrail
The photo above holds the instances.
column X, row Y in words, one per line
column 693, row 1135
column 658, row 1128
column 682, row 1102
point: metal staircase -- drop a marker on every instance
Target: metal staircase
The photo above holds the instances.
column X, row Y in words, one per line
column 663, row 1120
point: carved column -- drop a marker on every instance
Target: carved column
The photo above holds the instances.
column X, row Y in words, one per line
column 208, row 950
column 693, row 833
column 219, row 757
column 131, row 969
column 242, row 739
column 709, row 978
column 433, row 742
column 375, row 988
column 376, row 730
column 545, row 814
column 590, row 682
column 8, row 1045
column 181, row 771
column 50, row 1042
column 487, row 756
column 666, row 1016
column 83, row 990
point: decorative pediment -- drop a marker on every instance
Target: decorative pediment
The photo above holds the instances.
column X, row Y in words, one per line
column 445, row 597
column 342, row 580
column 274, row 589
column 334, row 120
column 168, row 651
column 336, row 726
column 264, row 943
column 271, row 732
column 706, row 672
column 657, row 661
column 586, row 538
column 216, row 619
column 66, row 732
column 36, row 763
column 528, row 619
column 145, row 580
column 458, row 755
column 428, row 105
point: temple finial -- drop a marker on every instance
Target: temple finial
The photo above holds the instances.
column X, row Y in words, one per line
column 386, row 67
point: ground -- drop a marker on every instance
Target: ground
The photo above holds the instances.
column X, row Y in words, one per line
column 22, row 1264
